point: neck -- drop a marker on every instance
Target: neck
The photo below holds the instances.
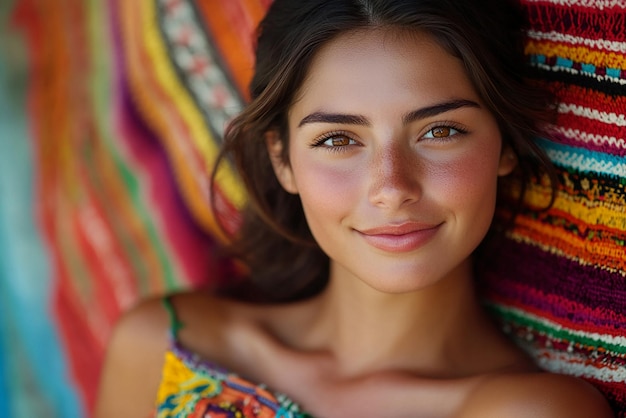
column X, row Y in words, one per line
column 425, row 330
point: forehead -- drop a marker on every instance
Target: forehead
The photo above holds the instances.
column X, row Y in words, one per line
column 371, row 64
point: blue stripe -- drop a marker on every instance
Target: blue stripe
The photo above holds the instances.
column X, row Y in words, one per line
column 614, row 72
column 5, row 401
column 584, row 160
column 588, row 68
column 564, row 62
column 35, row 373
column 560, row 62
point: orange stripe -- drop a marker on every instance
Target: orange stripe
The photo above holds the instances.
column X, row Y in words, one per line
column 590, row 252
column 232, row 25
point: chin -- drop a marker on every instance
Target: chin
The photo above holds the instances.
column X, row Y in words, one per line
column 401, row 287
column 415, row 278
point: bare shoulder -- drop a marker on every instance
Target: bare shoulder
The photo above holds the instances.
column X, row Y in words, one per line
column 230, row 333
column 135, row 354
column 536, row 395
column 132, row 367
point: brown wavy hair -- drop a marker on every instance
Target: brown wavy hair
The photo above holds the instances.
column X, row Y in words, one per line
column 274, row 240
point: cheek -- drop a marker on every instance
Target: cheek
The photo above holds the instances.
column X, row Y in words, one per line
column 469, row 182
column 324, row 189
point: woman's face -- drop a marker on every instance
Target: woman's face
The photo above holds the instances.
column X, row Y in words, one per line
column 395, row 158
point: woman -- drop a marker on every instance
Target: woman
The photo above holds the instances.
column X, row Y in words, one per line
column 372, row 150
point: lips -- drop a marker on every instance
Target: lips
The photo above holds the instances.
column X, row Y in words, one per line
column 399, row 238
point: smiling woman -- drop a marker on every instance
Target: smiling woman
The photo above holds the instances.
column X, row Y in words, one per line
column 393, row 204
column 372, row 151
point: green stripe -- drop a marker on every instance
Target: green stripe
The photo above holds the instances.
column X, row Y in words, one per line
column 101, row 83
column 555, row 332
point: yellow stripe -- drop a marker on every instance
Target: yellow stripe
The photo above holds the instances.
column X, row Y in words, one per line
column 160, row 113
column 186, row 107
column 580, row 54
column 607, row 213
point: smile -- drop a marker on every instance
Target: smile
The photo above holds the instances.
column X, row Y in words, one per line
column 399, row 238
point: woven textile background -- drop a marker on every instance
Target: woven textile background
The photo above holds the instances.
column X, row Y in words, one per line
column 110, row 119
column 560, row 288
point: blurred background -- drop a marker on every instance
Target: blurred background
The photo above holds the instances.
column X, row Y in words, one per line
column 30, row 352
column 105, row 152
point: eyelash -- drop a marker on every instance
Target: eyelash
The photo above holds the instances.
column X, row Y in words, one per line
column 319, row 142
column 460, row 130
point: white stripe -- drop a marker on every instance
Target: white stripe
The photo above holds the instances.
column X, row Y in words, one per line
column 593, row 114
column 566, row 363
column 612, row 46
column 590, row 138
column 599, row 4
column 581, row 163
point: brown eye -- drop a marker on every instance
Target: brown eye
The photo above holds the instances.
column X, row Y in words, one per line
column 441, row 132
column 336, row 141
column 339, row 141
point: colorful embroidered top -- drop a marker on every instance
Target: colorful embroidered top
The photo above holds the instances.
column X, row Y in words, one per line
column 193, row 387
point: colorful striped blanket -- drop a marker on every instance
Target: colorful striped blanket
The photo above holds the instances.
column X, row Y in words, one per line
column 111, row 115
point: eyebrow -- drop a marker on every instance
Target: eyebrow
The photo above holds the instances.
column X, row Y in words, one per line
column 425, row 112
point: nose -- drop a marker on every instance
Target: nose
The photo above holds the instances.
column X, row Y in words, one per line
column 394, row 177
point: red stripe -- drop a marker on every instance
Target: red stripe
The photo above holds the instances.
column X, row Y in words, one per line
column 582, row 123
column 593, row 99
column 531, row 301
column 585, row 22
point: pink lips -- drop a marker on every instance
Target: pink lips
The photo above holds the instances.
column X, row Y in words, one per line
column 399, row 238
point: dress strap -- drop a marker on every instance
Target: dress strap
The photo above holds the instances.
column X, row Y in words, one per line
column 175, row 323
